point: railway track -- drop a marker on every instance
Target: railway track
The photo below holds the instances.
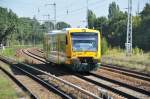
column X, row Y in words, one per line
column 21, row 85
column 35, row 56
column 37, row 73
column 39, row 50
column 132, row 73
column 121, row 88
column 133, row 89
column 125, row 71
column 23, row 68
column 140, row 90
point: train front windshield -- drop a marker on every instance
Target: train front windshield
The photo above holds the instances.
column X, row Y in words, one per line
column 84, row 41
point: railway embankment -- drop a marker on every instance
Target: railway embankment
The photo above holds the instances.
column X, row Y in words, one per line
column 138, row 61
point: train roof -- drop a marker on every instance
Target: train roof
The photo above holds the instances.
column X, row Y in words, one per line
column 56, row 32
column 65, row 30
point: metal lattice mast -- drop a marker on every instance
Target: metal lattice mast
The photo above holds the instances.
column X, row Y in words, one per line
column 129, row 29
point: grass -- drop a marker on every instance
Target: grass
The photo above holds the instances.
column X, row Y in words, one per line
column 138, row 60
column 11, row 51
column 39, row 46
column 8, row 52
column 6, row 90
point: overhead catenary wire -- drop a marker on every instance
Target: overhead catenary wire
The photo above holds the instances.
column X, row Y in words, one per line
column 78, row 10
column 89, row 4
column 74, row 11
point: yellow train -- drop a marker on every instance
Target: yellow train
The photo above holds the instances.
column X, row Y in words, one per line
column 77, row 48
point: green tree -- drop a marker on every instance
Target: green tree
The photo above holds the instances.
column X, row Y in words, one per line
column 143, row 35
column 104, row 46
column 48, row 26
column 24, row 30
column 91, row 19
column 113, row 10
column 61, row 25
column 8, row 21
column 136, row 29
column 117, row 26
column 101, row 24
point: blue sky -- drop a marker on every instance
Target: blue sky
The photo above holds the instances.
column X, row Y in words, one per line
column 76, row 9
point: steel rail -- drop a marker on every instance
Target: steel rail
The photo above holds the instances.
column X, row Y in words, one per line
column 46, row 84
column 61, row 80
column 126, row 95
column 136, row 74
column 127, row 73
column 24, row 88
column 65, row 82
column 34, row 56
column 122, row 84
column 98, row 83
column 144, row 75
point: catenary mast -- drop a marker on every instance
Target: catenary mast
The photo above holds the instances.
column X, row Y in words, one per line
column 128, row 43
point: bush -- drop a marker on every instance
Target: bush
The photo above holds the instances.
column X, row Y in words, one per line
column 104, row 46
column 137, row 51
column 149, row 56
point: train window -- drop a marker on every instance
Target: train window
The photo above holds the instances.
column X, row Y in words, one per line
column 66, row 40
column 85, row 41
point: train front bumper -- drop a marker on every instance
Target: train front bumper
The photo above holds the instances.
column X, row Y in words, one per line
column 77, row 65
